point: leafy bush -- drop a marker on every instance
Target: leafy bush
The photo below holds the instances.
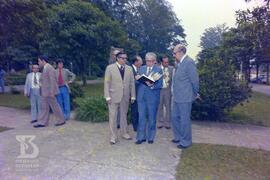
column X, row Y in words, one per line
column 76, row 92
column 15, row 79
column 93, row 109
column 219, row 89
column 14, row 90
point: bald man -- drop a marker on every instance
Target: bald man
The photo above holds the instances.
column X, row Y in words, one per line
column 185, row 90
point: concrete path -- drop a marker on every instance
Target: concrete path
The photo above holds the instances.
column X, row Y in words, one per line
column 80, row 150
column 262, row 88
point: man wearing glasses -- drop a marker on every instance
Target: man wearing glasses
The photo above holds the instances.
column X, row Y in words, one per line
column 119, row 89
column 148, row 100
column 185, row 90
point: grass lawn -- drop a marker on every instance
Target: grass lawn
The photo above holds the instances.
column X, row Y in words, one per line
column 205, row 161
column 14, row 100
column 256, row 111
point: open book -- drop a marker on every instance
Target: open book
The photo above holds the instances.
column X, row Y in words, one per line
column 152, row 78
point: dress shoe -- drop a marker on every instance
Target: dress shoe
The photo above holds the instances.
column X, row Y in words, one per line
column 150, row 142
column 60, row 124
column 140, row 141
column 182, row 147
column 175, row 141
column 112, row 142
column 33, row 121
column 39, row 126
column 159, row 127
column 168, row 127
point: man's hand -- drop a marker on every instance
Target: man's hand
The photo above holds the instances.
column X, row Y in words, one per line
column 149, row 83
column 198, row 97
column 137, row 77
column 109, row 101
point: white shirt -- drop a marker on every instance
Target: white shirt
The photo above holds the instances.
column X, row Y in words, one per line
column 149, row 69
column 119, row 66
column 165, row 76
column 33, row 82
column 135, row 68
column 182, row 59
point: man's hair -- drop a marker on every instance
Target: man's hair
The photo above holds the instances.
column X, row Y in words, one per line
column 119, row 53
column 135, row 59
column 60, row 60
column 164, row 57
column 43, row 58
column 151, row 54
column 182, row 48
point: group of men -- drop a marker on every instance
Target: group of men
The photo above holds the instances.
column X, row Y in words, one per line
column 164, row 102
column 48, row 89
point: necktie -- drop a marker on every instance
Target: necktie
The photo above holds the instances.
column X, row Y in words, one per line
column 149, row 70
column 35, row 79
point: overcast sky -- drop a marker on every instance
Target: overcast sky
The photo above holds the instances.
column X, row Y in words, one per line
column 197, row 15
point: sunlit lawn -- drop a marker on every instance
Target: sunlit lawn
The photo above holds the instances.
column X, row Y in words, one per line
column 205, row 161
column 256, row 111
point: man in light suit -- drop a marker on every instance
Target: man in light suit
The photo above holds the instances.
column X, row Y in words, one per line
column 49, row 89
column 136, row 64
column 148, row 100
column 32, row 90
column 185, row 91
column 65, row 77
column 119, row 89
column 164, row 119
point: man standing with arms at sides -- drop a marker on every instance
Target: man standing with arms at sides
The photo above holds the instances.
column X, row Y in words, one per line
column 136, row 64
column 148, row 100
column 185, row 91
column 65, row 77
column 49, row 89
column 119, row 89
column 32, row 90
column 164, row 120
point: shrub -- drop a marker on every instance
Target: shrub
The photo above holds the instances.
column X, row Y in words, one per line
column 219, row 89
column 93, row 109
column 76, row 92
column 15, row 79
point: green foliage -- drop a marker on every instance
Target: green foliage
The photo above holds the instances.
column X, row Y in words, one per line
column 15, row 79
column 82, row 34
column 219, row 89
column 93, row 109
column 76, row 92
column 14, row 90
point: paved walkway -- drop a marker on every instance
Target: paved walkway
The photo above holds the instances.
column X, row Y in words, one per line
column 262, row 88
column 80, row 150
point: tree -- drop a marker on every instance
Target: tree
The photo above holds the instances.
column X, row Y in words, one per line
column 20, row 27
column 212, row 37
column 82, row 34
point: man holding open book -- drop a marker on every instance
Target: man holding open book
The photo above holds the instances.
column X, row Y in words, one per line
column 150, row 84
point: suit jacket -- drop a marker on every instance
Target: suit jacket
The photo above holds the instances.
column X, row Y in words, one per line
column 185, row 81
column 67, row 76
column 48, row 80
column 151, row 92
column 117, row 88
column 28, row 82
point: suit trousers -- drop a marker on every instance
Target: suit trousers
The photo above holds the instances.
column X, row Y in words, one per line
column 63, row 100
column 164, row 116
column 45, row 104
column 147, row 112
column 181, row 123
column 113, row 113
column 35, row 102
column 134, row 115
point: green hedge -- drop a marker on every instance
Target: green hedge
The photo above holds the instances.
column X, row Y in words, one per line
column 15, row 79
column 93, row 109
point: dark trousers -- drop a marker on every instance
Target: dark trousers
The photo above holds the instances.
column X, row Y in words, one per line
column 134, row 115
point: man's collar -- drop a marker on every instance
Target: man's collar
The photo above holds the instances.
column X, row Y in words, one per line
column 182, row 59
column 134, row 67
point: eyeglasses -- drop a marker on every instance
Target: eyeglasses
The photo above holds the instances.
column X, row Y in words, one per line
column 122, row 57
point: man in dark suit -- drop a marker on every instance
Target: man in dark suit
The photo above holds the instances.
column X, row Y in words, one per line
column 136, row 64
column 185, row 91
column 148, row 100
